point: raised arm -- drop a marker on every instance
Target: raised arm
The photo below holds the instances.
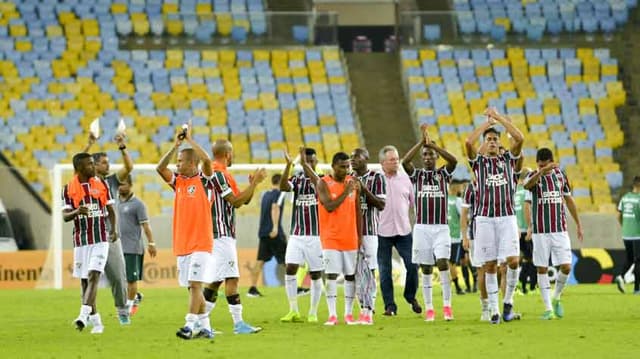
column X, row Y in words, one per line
column 284, row 179
column 408, row 157
column 470, row 143
column 162, row 167
column 452, row 161
column 517, row 139
column 90, row 142
column 127, row 162
column 200, row 152
column 308, row 171
column 245, row 196
column 533, row 180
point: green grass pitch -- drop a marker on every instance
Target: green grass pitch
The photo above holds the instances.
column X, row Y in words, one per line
column 599, row 323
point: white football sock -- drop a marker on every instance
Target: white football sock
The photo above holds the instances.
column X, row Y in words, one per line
column 445, row 282
column 191, row 320
column 561, row 281
column 316, row 293
column 491, row 280
column 291, row 286
column 512, row 281
column 349, row 295
column 332, row 292
column 236, row 312
column 427, row 291
column 545, row 290
column 208, row 307
column 204, row 321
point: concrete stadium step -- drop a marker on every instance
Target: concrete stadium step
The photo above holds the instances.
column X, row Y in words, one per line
column 376, row 83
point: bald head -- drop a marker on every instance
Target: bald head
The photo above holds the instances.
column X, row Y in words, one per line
column 222, row 151
column 361, row 151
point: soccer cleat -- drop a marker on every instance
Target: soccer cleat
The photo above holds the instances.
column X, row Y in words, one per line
column 507, row 312
column 204, row 334
column 486, row 316
column 291, row 317
column 548, row 315
column 80, row 322
column 348, row 319
column 331, row 321
column 448, row 313
column 495, row 318
column 558, row 310
column 365, row 319
column 124, row 319
column 620, row 283
column 244, row 328
column 96, row 322
column 303, row 291
column 138, row 299
column 312, row 318
column 133, row 310
column 460, row 292
column 415, row 306
column 185, row 333
column 429, row 315
column 254, row 293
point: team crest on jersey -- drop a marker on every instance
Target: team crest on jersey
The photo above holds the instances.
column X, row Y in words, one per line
column 191, row 190
column 500, row 164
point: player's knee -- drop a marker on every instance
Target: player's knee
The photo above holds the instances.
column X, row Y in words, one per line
column 426, row 269
column 210, row 295
column 291, row 269
column 332, row 276
column 350, row 278
column 233, row 299
column 443, row 264
column 542, row 270
column 315, row 275
column 565, row 268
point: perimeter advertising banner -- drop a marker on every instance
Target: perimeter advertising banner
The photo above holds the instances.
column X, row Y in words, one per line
column 23, row 269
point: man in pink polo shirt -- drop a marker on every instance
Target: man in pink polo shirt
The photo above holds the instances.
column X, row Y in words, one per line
column 394, row 230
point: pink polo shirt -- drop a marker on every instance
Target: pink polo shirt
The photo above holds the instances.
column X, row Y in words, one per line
column 394, row 219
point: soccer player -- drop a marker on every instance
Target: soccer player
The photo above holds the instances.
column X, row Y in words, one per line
column 340, row 232
column 115, row 267
column 467, row 229
column 431, row 236
column 496, row 235
column 304, row 240
column 528, row 275
column 550, row 192
column 629, row 217
column 227, row 197
column 454, row 208
column 132, row 215
column 88, row 203
column 192, row 228
column 372, row 200
column 272, row 240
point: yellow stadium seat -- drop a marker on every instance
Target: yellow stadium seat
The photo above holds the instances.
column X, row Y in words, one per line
column 170, row 8
column 174, row 26
column 203, row 8
column 484, row 71
column 427, row 54
column 23, row 45
column 504, row 22
column 18, row 30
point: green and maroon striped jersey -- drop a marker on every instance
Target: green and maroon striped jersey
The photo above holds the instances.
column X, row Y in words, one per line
column 430, row 189
column 304, row 219
column 223, row 213
column 92, row 227
column 377, row 185
column 496, row 185
column 548, row 214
